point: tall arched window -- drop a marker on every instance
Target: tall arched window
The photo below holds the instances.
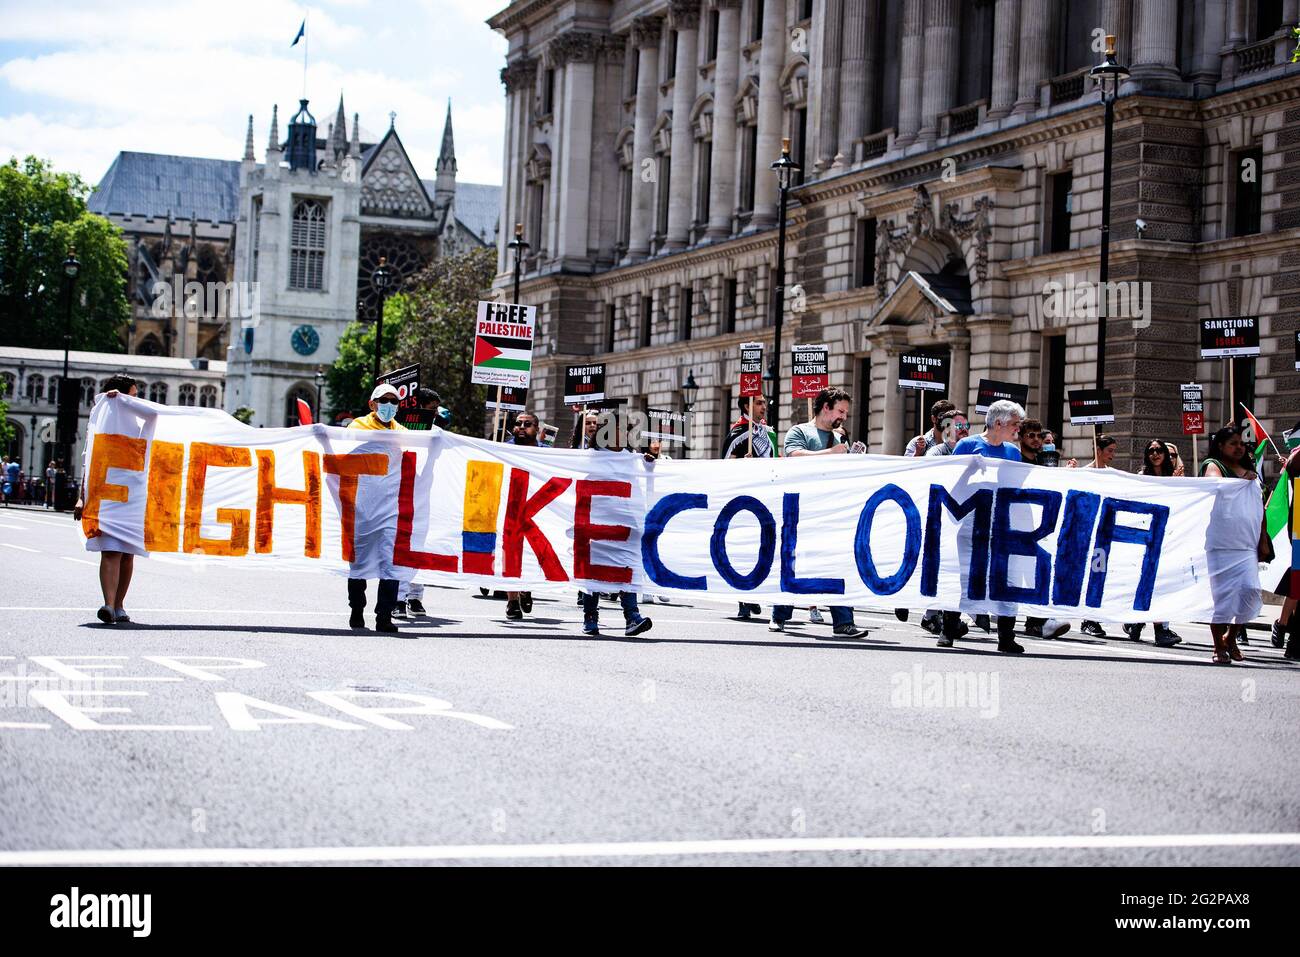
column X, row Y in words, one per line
column 8, row 385
column 186, row 394
column 208, row 397
column 87, row 392
column 52, row 393
column 35, row 387
column 158, row 393
column 299, row 391
column 307, row 245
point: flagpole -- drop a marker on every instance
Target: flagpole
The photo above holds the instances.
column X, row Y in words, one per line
column 306, row 47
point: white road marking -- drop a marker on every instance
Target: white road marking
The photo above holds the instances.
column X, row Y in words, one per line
column 17, row 528
column 79, row 561
column 787, row 845
column 21, row 548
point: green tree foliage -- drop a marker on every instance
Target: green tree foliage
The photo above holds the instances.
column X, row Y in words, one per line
column 6, row 430
column 431, row 322
column 43, row 215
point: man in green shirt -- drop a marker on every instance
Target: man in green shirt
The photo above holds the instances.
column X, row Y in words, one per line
column 818, row 437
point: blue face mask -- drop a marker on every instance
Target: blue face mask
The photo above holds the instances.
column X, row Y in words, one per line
column 385, row 411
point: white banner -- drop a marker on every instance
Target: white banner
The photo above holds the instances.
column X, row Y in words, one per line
column 962, row 532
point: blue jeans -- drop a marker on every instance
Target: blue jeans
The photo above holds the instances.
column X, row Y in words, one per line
column 591, row 606
column 840, row 614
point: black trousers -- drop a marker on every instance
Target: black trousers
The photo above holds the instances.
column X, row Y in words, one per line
column 385, row 602
column 1006, row 626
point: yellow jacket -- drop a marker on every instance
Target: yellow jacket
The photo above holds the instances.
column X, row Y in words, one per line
column 371, row 421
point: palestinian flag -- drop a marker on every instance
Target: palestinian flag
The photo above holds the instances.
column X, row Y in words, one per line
column 1276, row 515
column 498, row 352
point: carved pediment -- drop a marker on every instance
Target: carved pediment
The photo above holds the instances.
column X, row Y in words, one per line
column 389, row 184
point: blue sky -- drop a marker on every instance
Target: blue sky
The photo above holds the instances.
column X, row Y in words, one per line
column 81, row 80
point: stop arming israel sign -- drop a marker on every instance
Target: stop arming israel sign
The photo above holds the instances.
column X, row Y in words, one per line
column 503, row 344
column 809, row 370
column 751, row 368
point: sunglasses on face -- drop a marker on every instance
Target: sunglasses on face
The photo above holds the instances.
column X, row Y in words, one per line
column 527, row 425
column 1154, row 451
column 1031, row 435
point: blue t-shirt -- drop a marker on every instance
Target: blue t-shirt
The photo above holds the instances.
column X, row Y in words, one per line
column 978, row 445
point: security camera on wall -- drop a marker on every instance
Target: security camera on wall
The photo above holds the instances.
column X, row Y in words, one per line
column 1141, row 225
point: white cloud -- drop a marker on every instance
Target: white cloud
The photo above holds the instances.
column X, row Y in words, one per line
column 183, row 77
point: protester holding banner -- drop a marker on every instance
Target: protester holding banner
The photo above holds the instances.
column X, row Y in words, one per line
column 524, row 434
column 1156, row 461
column 1233, row 551
column 1106, row 448
column 953, row 427
column 384, row 402
column 116, row 557
column 818, row 437
column 584, row 430
column 922, row 444
column 737, row 444
column 1001, row 427
column 1032, row 437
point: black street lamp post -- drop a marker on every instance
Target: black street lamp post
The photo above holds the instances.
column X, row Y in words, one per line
column 1109, row 74
column 785, row 169
column 67, row 429
column 518, row 245
column 380, row 280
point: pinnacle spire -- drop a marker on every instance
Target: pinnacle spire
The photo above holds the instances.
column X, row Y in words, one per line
column 274, row 142
column 354, row 148
column 248, row 141
column 339, row 137
column 447, row 155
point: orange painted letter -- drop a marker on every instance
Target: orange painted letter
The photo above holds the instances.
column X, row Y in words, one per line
column 162, row 509
column 109, row 452
column 269, row 495
column 202, row 457
column 349, row 468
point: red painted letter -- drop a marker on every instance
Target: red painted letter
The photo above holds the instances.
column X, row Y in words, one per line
column 584, row 533
column 519, row 525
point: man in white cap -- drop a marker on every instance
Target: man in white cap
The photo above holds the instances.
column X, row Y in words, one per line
column 384, row 401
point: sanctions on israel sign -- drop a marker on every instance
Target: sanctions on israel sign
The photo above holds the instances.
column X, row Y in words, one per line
column 503, row 344
column 959, row 532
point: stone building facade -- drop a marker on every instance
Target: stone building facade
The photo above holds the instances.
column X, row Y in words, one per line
column 952, row 168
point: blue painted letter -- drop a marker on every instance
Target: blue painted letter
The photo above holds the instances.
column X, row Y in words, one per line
column 766, row 543
column 655, row 522
column 1008, row 541
column 911, row 546
column 790, row 542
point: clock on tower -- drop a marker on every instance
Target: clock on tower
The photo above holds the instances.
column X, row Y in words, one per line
column 306, row 340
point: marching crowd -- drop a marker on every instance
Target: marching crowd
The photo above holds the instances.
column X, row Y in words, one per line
column 1009, row 433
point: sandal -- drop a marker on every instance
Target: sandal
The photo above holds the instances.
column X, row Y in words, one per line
column 1221, row 658
column 1230, row 643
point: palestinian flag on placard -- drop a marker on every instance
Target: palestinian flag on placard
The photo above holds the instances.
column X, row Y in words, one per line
column 498, row 352
column 1261, row 433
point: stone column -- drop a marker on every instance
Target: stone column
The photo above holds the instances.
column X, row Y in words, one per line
column 726, row 73
column 829, row 114
column 1155, row 44
column 576, row 53
column 941, row 55
column 508, row 198
column 1035, row 51
column 645, row 37
column 1209, row 43
column 912, row 56
column 1006, row 54
column 959, row 386
column 685, row 16
column 893, row 438
column 770, row 99
column 1117, row 21
column 858, row 76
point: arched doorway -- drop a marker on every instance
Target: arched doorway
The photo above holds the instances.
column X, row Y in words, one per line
column 299, row 390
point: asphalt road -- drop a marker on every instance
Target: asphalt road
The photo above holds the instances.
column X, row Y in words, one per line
column 709, row 741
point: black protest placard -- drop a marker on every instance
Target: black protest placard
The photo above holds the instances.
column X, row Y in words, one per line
column 922, row 370
column 406, row 381
column 513, row 399
column 991, row 390
column 584, row 384
column 1091, row 407
column 1228, row 336
column 665, row 425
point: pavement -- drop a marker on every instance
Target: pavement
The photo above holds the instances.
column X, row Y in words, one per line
column 239, row 720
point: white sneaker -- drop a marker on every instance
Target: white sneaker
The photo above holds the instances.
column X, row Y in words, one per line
column 815, row 616
column 663, row 599
column 1055, row 629
column 776, row 626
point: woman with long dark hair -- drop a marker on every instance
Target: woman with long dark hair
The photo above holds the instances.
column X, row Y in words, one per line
column 1233, row 548
column 1157, row 460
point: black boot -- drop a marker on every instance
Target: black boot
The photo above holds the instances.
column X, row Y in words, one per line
column 358, row 620
column 384, row 622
